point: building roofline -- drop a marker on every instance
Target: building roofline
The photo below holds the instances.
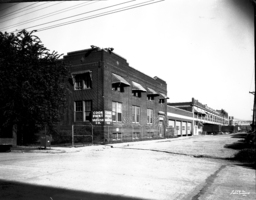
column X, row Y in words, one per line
column 179, row 109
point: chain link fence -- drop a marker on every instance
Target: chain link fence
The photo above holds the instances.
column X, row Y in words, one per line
column 82, row 134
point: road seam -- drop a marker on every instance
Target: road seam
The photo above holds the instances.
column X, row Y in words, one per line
column 175, row 153
column 209, row 181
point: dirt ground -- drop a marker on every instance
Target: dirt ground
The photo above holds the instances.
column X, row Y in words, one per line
column 186, row 168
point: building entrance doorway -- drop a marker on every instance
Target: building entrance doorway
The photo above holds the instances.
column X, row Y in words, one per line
column 161, row 129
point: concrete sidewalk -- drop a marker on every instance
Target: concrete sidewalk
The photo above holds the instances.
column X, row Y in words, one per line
column 70, row 149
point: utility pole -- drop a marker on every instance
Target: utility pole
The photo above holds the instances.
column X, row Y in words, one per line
column 254, row 104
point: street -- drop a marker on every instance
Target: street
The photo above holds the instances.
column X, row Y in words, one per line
column 186, row 168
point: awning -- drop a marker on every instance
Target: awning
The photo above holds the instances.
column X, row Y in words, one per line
column 163, row 95
column 137, row 87
column 152, row 92
column 119, row 79
column 202, row 111
column 199, row 110
column 196, row 110
column 161, row 113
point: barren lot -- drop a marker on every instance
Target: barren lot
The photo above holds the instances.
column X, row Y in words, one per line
column 187, row 168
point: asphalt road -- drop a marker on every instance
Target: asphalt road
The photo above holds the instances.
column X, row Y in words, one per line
column 187, row 168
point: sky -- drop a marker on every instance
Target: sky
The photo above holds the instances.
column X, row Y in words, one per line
column 202, row 49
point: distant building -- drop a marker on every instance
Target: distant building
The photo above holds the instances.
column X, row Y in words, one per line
column 199, row 116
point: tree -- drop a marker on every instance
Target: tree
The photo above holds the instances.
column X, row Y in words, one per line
column 32, row 82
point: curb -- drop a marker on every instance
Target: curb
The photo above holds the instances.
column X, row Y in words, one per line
column 147, row 142
column 21, row 149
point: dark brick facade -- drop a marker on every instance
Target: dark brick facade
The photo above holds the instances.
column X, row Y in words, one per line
column 102, row 64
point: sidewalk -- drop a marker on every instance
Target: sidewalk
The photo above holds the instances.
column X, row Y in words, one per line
column 144, row 142
column 69, row 149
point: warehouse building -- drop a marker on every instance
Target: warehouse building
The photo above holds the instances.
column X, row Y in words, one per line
column 112, row 100
column 204, row 118
column 109, row 101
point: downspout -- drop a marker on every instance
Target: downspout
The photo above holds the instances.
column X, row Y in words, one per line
column 103, row 97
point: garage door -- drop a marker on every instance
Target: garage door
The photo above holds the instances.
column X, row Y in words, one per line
column 178, row 128
column 184, row 128
column 189, row 130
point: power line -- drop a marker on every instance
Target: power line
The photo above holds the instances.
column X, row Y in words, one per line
column 4, row 16
column 80, row 14
column 30, row 12
column 9, row 6
column 49, row 15
column 100, row 15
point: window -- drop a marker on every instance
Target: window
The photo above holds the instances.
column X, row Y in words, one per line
column 161, row 101
column 135, row 114
column 116, row 112
column 151, row 97
column 88, row 110
column 83, row 111
column 150, row 134
column 136, row 135
column 82, row 81
column 117, row 136
column 78, row 111
column 136, row 93
column 118, row 87
column 149, row 116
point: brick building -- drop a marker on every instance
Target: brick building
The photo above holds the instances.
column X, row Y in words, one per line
column 115, row 101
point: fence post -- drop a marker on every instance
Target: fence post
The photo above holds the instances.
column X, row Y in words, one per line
column 108, row 134
column 72, row 135
column 132, row 133
column 92, row 134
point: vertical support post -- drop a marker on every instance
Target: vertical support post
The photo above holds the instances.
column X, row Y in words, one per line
column 72, row 135
column 92, row 134
column 193, row 121
column 141, row 129
column 108, row 134
column 254, row 104
column 132, row 133
column 45, row 136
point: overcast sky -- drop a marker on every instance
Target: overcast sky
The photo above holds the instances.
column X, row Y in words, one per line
column 202, row 49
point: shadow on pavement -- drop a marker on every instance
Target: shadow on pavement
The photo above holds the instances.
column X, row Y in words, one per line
column 239, row 135
column 247, row 165
column 240, row 144
column 14, row 190
column 246, row 155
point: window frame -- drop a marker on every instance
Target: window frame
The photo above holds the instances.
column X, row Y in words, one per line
column 86, row 113
column 118, row 88
column 162, row 101
column 117, row 111
column 82, row 83
column 136, row 94
column 150, row 97
column 136, row 114
column 150, row 116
